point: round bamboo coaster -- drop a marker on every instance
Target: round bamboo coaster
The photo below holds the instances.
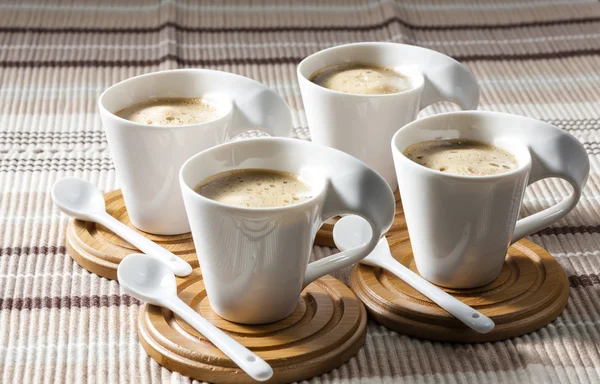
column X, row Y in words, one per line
column 100, row 251
column 325, row 234
column 531, row 291
column 327, row 328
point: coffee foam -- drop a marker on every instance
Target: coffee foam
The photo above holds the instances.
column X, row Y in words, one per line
column 169, row 111
column 255, row 188
column 362, row 79
column 462, row 157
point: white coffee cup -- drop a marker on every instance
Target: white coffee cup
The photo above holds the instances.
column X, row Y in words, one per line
column 363, row 125
column 147, row 157
column 255, row 261
column 460, row 227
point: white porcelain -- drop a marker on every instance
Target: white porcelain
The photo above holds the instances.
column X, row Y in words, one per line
column 461, row 226
column 150, row 281
column 363, row 125
column 81, row 199
column 255, row 261
column 147, row 158
column 352, row 231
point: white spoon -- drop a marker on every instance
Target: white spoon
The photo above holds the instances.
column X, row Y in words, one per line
column 353, row 231
column 82, row 200
column 151, row 281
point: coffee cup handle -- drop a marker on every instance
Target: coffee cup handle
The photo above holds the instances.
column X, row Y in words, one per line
column 365, row 194
column 264, row 111
column 447, row 80
column 554, row 153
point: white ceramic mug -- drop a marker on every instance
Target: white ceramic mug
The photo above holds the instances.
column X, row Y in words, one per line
column 363, row 125
column 460, row 227
column 255, row 260
column 147, row 157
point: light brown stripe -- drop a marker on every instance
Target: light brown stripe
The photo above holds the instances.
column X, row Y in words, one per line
column 569, row 230
column 40, row 138
column 99, row 301
column 419, row 14
column 299, row 28
column 35, row 250
column 271, row 60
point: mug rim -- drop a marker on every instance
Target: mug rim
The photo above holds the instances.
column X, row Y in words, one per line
column 523, row 166
column 417, row 78
column 184, row 184
column 123, row 83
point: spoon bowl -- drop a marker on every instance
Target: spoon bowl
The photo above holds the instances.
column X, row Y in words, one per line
column 77, row 198
column 354, row 231
column 146, row 279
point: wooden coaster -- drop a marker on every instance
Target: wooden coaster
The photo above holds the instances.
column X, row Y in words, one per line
column 325, row 233
column 327, row 328
column 100, row 251
column 531, row 291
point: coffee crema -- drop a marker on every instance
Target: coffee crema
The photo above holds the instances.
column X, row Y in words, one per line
column 255, row 188
column 169, row 111
column 462, row 157
column 363, row 79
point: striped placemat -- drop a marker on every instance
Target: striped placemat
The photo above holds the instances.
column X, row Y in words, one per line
column 59, row 323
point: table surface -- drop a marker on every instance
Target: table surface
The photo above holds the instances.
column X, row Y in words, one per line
column 60, row 323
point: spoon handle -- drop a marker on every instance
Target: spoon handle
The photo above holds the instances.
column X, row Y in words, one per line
column 469, row 316
column 179, row 266
column 249, row 362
